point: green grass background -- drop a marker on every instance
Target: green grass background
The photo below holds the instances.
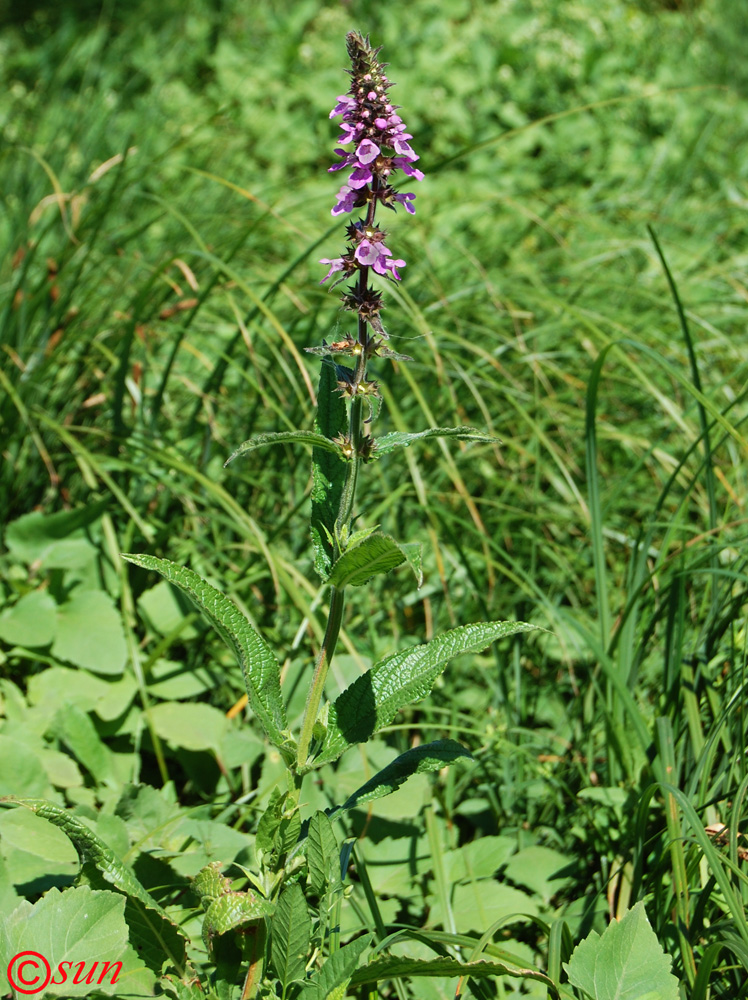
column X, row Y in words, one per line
column 165, row 200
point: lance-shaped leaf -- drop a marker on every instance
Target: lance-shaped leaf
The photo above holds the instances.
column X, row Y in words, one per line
column 259, row 665
column 328, row 470
column 332, row 979
column 92, row 850
column 418, row 760
column 375, row 698
column 321, row 853
column 378, row 553
column 401, row 439
column 290, row 936
column 393, row 967
column 284, row 437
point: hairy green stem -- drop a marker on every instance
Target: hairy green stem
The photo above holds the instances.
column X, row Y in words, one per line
column 335, row 617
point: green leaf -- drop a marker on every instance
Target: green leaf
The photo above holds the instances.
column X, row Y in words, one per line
column 393, row 967
column 78, row 925
column 428, row 757
column 153, row 938
column 284, row 437
column 31, row 537
column 626, row 963
column 91, row 849
column 209, row 884
column 412, row 553
column 259, row 665
column 190, row 726
column 90, row 633
column 35, row 851
column 232, row 911
column 270, row 821
column 328, row 470
column 401, row 439
column 32, row 621
column 538, row 868
column 477, row 905
column 375, row 698
column 21, row 772
column 377, row 553
column 321, row 852
column 167, row 611
column 290, row 936
column 335, row 974
column 478, row 858
column 76, row 729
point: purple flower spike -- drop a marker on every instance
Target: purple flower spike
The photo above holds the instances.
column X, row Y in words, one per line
column 380, row 134
column 381, row 148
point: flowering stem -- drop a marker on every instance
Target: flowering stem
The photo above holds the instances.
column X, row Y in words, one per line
column 381, row 148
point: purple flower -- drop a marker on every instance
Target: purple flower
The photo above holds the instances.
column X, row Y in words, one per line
column 345, row 105
column 335, row 265
column 406, row 199
column 367, row 151
column 372, row 254
column 400, row 163
column 360, row 177
column 392, row 266
column 346, row 200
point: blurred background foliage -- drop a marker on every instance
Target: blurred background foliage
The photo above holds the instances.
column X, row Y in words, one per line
column 165, row 195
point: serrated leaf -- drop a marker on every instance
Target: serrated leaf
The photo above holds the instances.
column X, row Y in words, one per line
column 270, row 821
column 626, row 962
column 284, row 437
column 335, row 974
column 393, row 967
column 375, row 698
column 259, row 665
column 321, row 852
column 417, row 760
column 328, row 470
column 376, row 554
column 91, row 849
column 234, row 910
column 291, row 934
column 412, row 553
column 402, row 439
column 152, row 937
